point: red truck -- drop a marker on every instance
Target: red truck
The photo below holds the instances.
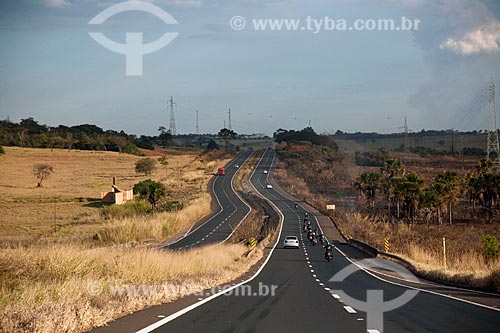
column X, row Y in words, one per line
column 221, row 172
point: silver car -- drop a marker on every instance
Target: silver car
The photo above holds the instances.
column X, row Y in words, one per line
column 291, row 241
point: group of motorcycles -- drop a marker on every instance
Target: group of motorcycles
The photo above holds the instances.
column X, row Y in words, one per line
column 313, row 237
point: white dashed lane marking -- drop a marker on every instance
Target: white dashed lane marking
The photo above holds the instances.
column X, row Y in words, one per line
column 349, row 309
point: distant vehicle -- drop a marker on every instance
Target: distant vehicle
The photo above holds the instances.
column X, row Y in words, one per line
column 265, row 171
column 291, row 241
column 269, row 186
column 236, row 166
column 221, row 171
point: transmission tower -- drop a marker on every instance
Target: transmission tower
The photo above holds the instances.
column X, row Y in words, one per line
column 170, row 106
column 229, row 127
column 493, row 149
column 197, row 124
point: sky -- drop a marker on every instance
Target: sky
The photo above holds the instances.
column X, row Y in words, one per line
column 437, row 77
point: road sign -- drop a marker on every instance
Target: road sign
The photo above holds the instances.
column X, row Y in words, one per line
column 330, row 207
column 386, row 245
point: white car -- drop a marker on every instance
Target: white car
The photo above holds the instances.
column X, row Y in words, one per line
column 291, row 241
column 269, row 186
column 236, row 166
column 265, row 172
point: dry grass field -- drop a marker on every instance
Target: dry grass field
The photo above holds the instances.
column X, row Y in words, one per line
column 69, row 288
column 58, row 272
column 68, row 205
column 467, row 263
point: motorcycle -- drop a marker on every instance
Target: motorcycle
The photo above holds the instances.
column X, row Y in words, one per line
column 314, row 241
column 329, row 256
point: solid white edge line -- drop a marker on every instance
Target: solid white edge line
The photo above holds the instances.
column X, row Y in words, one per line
column 208, row 299
column 415, row 288
column 399, row 284
column 218, row 202
column 239, row 197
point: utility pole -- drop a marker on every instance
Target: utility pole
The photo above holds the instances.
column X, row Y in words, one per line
column 407, row 141
column 229, row 119
column 170, row 106
column 493, row 149
column 197, row 124
column 462, row 145
column 453, row 142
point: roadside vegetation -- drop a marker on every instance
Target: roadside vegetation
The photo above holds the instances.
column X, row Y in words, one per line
column 262, row 222
column 70, row 262
column 414, row 204
column 72, row 288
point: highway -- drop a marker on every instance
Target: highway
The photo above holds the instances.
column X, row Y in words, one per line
column 232, row 210
column 303, row 297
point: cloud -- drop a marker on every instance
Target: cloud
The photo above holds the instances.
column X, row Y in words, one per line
column 458, row 40
column 56, row 3
column 484, row 39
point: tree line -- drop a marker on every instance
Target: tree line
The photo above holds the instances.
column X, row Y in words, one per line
column 29, row 133
column 407, row 196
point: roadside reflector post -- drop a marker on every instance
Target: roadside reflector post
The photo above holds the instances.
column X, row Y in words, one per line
column 252, row 242
column 444, row 254
column 386, row 245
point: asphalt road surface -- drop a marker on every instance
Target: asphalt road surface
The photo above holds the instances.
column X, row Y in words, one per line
column 232, row 210
column 294, row 292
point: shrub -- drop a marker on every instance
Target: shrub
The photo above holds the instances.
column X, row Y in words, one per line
column 151, row 191
column 145, row 165
column 128, row 209
column 1, row 150
column 491, row 245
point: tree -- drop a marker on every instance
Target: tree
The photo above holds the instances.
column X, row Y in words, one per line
column 151, row 191
column 146, row 165
column 42, row 172
column 164, row 162
column 392, row 168
column 448, row 185
column 368, row 183
column 432, row 202
column 165, row 136
column 212, row 145
column 483, row 186
column 227, row 134
column 411, row 189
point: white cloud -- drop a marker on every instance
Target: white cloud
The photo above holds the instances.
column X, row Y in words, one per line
column 484, row 39
column 56, row 3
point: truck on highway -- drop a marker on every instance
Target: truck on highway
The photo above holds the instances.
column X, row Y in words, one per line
column 221, row 171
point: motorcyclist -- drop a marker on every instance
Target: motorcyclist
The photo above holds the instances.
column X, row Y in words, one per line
column 328, row 249
column 296, row 206
column 321, row 238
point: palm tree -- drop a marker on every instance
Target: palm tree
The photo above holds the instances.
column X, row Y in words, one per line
column 392, row 168
column 448, row 185
column 368, row 183
column 432, row 201
column 411, row 188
